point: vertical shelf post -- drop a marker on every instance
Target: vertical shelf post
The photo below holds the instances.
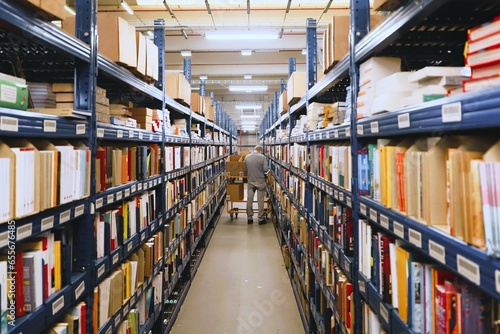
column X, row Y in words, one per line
column 312, row 49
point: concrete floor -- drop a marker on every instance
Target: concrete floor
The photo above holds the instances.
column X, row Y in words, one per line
column 241, row 286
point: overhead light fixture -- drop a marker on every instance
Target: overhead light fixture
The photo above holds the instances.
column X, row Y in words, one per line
column 186, row 53
column 208, row 7
column 249, row 123
column 127, row 7
column 241, row 35
column 69, row 10
column 248, row 106
column 249, row 116
column 304, row 51
column 246, row 52
column 203, row 77
column 247, row 76
column 248, row 88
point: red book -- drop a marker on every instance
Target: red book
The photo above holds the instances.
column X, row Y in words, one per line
column 484, row 30
column 101, row 161
column 385, row 263
column 19, row 283
column 348, row 301
column 482, row 72
column 473, row 84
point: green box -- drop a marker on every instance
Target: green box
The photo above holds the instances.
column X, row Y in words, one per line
column 13, row 92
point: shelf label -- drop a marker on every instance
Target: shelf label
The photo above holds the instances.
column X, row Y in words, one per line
column 451, row 112
column 129, row 247
column 101, row 270
column 125, row 309
column 117, row 320
column 152, row 228
column 374, row 127
column 130, row 134
column 139, row 186
column 100, row 133
column 49, row 126
column 119, row 133
column 336, row 133
column 415, row 237
column 336, row 253
column 328, row 135
column 111, row 198
column 64, row 216
column 404, row 121
column 373, row 215
column 362, row 208
column 362, row 286
column 349, row 201
column 468, row 269
column 99, row 202
column 341, row 196
column 116, row 257
column 437, row 251
column 80, row 290
column 143, row 236
column 127, row 192
column 361, row 129
column 348, row 132
column 384, row 313
column 150, row 137
column 80, row 129
column 133, row 188
column 109, row 330
column 384, row 221
column 119, row 195
column 24, row 231
column 47, row 223
column 399, row 230
column 347, row 267
column 140, row 135
column 150, row 184
column 79, row 210
column 58, row 305
column 9, row 124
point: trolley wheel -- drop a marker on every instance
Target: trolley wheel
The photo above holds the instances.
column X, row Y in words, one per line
column 231, row 216
column 236, row 215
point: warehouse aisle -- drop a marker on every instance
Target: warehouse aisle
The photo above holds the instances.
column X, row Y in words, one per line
column 241, row 286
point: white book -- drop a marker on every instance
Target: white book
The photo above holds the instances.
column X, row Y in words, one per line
column 33, row 282
column 394, row 275
column 104, row 301
column 4, row 286
column 5, row 180
column 99, row 227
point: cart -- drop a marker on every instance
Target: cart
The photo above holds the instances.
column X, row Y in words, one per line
column 234, row 207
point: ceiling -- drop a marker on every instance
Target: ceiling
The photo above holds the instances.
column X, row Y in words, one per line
column 187, row 22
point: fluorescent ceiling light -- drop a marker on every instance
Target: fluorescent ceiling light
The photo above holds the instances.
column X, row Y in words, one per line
column 247, row 76
column 127, row 7
column 249, row 116
column 247, row 88
column 186, row 53
column 248, row 122
column 148, row 2
column 241, row 35
column 248, row 106
column 203, row 77
column 69, row 10
column 246, row 52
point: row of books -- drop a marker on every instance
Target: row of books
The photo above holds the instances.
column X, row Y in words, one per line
column 332, row 163
column 429, row 298
column 74, row 321
column 432, row 179
column 177, row 157
column 371, row 322
column 40, row 175
column 113, row 227
column 121, row 284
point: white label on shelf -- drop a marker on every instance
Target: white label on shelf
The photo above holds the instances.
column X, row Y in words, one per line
column 79, row 210
column 99, row 202
column 140, row 135
column 152, row 228
column 109, row 330
column 143, row 236
column 336, row 133
column 100, row 132
column 9, row 124
column 404, row 121
column 362, row 286
column 384, row 221
column 101, row 270
column 24, row 231
column 130, row 134
column 150, row 137
column 139, row 186
column 116, row 257
column 8, row 93
column 117, row 320
column 127, row 192
column 125, row 310
column 384, row 313
column 347, row 268
column 349, row 201
column 374, row 127
column 341, row 196
column 4, row 239
column 119, row 133
column 111, row 198
column 328, row 135
column 468, row 269
column 64, row 216
column 348, row 132
column 336, row 252
column 150, row 184
column 497, row 280
column 49, row 125
column 129, row 247
column 415, row 237
column 399, row 230
column 119, row 195
column 47, row 223
column 133, row 188
column 451, row 112
column 361, row 129
column 437, row 251
column 336, row 194
column 373, row 215
column 58, row 305
column 80, row 290
column 362, row 208
column 80, row 129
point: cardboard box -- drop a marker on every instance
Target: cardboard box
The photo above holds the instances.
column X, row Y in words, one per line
column 283, row 103
column 141, row 41
column 340, row 34
column 233, row 165
column 137, row 112
column 235, row 191
column 210, row 114
column 197, row 103
column 152, row 61
column 207, row 103
column 54, row 7
column 296, row 88
column 178, row 87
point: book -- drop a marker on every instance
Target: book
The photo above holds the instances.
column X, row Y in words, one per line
column 484, row 30
column 33, row 284
column 482, row 72
column 473, row 84
column 483, row 58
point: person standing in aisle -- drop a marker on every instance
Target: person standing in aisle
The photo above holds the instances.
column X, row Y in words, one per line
column 256, row 169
